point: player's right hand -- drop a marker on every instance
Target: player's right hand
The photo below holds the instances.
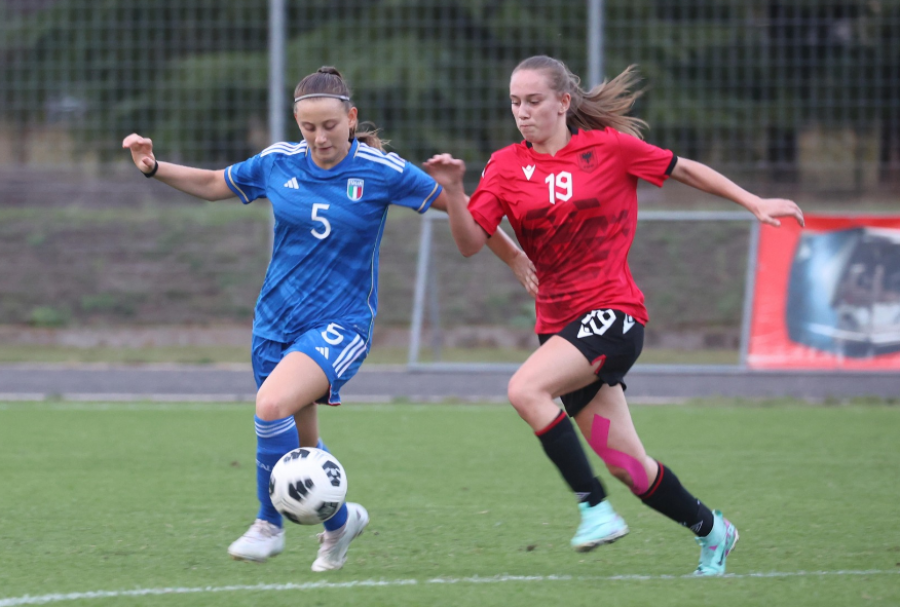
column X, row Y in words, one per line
column 525, row 273
column 141, row 152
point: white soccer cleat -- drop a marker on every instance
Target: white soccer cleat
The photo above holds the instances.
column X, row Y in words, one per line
column 262, row 541
column 334, row 544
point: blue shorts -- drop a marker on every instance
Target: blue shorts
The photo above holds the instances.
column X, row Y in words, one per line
column 338, row 351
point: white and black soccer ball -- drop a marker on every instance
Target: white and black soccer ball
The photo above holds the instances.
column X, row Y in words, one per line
column 308, row 486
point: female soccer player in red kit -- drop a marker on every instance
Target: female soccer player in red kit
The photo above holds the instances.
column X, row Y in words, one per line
column 569, row 191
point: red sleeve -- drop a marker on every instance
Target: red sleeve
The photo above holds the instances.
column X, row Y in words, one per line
column 485, row 205
column 645, row 161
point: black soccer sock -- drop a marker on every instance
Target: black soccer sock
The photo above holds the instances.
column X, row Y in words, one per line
column 669, row 497
column 562, row 446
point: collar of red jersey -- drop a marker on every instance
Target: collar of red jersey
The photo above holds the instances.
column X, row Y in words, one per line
column 572, row 130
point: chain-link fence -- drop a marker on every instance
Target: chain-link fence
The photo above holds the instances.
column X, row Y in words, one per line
column 795, row 91
column 795, row 97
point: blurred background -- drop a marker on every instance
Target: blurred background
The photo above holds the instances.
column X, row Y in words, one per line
column 792, row 98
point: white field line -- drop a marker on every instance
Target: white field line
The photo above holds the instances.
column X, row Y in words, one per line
column 121, row 397
column 216, row 406
column 226, row 398
column 56, row 405
column 45, row 599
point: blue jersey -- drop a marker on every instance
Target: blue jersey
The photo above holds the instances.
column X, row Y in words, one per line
column 328, row 228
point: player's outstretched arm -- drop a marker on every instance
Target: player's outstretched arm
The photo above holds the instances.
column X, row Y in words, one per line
column 507, row 250
column 448, row 171
column 702, row 177
column 202, row 183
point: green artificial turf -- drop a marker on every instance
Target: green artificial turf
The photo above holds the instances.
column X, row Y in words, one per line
column 465, row 509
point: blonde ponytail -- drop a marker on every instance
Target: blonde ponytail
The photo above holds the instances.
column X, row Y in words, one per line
column 605, row 105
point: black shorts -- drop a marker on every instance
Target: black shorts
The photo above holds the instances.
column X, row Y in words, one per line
column 608, row 338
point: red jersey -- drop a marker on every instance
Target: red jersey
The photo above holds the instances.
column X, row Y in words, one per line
column 575, row 215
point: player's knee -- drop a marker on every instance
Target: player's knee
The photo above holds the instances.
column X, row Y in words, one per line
column 621, row 474
column 645, row 469
column 518, row 394
column 269, row 408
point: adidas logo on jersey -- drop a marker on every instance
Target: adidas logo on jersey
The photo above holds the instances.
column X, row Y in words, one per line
column 529, row 171
column 323, row 351
column 292, row 183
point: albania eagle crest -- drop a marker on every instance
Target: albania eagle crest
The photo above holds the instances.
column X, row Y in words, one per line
column 588, row 162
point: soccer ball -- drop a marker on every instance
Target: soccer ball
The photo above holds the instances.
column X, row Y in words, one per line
column 308, row 486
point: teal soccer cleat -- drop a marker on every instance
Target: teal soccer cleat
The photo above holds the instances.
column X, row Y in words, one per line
column 715, row 547
column 599, row 525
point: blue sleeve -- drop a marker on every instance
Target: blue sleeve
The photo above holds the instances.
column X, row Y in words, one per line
column 415, row 189
column 247, row 179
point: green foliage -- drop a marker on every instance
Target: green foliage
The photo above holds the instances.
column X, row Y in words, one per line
column 48, row 316
column 36, row 239
column 110, row 305
column 718, row 67
column 726, row 78
column 172, row 70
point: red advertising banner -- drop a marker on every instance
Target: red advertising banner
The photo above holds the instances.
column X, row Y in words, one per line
column 827, row 296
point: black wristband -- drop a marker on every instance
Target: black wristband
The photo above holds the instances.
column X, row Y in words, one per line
column 153, row 172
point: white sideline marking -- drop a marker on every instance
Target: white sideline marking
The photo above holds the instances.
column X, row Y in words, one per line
column 106, row 594
column 145, row 405
column 55, row 405
column 212, row 402
column 122, row 397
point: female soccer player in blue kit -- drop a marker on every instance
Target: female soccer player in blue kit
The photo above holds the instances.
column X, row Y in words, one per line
column 313, row 322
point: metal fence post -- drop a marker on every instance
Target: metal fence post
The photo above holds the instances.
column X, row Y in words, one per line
column 749, row 287
column 595, row 42
column 277, row 34
column 422, row 265
column 434, row 312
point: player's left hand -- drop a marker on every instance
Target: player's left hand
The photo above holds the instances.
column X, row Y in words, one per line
column 525, row 273
column 446, row 170
column 769, row 209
